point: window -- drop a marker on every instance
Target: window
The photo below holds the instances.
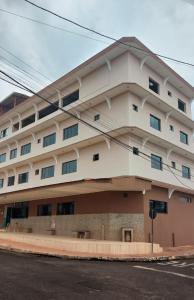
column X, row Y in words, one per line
column 25, row 149
column 156, row 162
column 65, row 208
column 49, row 140
column 47, row 172
column 11, row 180
column 97, row 117
column 173, row 164
column 27, row 121
column 71, row 98
column 183, row 137
column 23, row 177
column 37, row 172
column 135, row 107
column 16, row 127
column 155, row 122
column 70, row 131
column 4, row 133
column 169, row 94
column 171, row 128
column 161, row 207
column 181, row 105
column 96, row 157
column 44, row 210
column 2, row 157
column 153, row 85
column 48, row 110
column 69, row 167
column 186, row 199
column 1, row 183
column 13, row 153
column 186, row 173
column 20, row 210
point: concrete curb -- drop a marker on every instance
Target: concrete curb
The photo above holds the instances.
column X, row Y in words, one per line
column 98, row 258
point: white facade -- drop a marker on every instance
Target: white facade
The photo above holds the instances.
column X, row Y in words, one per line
column 115, row 85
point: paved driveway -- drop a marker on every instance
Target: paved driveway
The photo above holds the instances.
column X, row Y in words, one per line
column 34, row 277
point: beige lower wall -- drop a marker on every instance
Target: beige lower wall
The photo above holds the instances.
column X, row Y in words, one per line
column 101, row 226
column 175, row 228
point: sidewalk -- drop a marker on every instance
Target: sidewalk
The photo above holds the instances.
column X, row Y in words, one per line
column 29, row 243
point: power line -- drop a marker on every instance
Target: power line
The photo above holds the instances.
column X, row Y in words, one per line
column 68, row 112
column 51, row 26
column 107, row 36
column 43, row 75
column 115, row 140
column 7, row 81
column 19, row 59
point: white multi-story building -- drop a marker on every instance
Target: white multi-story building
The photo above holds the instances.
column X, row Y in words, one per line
column 56, row 169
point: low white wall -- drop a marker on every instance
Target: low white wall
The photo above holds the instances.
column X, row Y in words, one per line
column 77, row 246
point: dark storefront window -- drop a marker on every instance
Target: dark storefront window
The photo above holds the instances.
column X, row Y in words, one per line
column 19, row 211
column 160, row 207
column 65, row 208
column 44, row 210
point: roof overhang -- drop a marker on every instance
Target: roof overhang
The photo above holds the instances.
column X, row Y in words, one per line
column 85, row 186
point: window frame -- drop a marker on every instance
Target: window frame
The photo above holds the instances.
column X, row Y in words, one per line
column 9, row 181
column 24, row 148
column 1, row 183
column 44, row 171
column 70, row 98
column 3, row 155
column 20, row 177
column 181, row 102
column 15, row 150
column 154, row 83
column 152, row 122
column 186, row 175
column 70, row 132
column 153, row 164
column 156, row 205
column 67, row 208
column 43, row 206
column 183, row 134
column 69, row 166
column 47, row 140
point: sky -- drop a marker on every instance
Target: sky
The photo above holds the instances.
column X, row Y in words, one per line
column 166, row 27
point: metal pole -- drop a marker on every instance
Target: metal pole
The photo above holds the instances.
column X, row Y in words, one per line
column 152, row 231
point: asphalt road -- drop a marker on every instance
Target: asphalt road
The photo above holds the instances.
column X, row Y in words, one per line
column 34, row 277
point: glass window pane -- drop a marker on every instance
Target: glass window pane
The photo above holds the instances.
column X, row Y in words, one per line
column 71, row 98
column 2, row 157
column 47, row 172
column 186, row 173
column 13, row 153
column 70, row 131
column 49, row 140
column 159, row 206
column 69, row 167
column 23, row 177
column 155, row 122
column 156, row 162
column 181, row 105
column 183, row 137
column 1, row 183
column 25, row 149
